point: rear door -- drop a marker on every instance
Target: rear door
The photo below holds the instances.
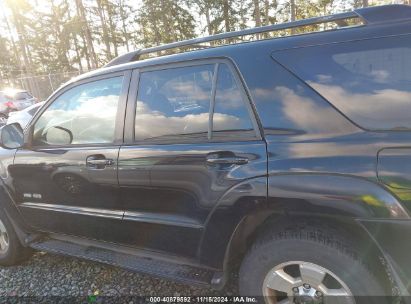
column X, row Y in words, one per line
column 191, row 136
column 65, row 179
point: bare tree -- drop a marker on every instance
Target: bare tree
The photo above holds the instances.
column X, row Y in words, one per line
column 257, row 12
column 106, row 38
column 89, row 42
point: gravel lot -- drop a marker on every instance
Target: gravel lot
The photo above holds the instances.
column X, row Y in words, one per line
column 47, row 275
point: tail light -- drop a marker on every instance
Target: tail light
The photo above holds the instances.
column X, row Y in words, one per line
column 9, row 104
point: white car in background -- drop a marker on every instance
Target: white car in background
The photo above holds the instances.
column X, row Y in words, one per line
column 24, row 116
column 14, row 100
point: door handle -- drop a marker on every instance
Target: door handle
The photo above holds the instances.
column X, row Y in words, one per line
column 98, row 162
column 234, row 160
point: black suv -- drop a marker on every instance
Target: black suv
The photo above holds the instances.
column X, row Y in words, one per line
column 290, row 157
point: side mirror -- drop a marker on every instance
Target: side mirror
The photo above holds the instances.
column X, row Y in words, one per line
column 11, row 136
column 58, row 136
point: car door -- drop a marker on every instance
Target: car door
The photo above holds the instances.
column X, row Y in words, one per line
column 65, row 178
column 191, row 136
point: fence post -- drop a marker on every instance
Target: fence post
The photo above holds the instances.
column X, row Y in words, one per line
column 51, row 83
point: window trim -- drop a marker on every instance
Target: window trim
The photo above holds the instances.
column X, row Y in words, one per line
column 119, row 121
column 134, row 86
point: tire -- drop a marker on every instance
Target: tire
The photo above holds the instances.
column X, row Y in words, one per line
column 301, row 250
column 12, row 252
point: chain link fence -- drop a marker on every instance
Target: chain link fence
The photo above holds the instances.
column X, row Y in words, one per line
column 40, row 86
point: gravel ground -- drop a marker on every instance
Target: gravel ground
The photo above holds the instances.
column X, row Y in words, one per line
column 46, row 275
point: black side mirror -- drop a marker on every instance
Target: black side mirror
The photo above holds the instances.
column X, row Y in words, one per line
column 11, row 136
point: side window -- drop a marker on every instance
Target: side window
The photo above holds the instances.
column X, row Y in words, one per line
column 85, row 114
column 174, row 102
column 230, row 110
column 368, row 80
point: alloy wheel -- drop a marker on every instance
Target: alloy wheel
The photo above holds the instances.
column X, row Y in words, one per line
column 302, row 282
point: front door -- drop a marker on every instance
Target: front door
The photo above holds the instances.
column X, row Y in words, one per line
column 65, row 179
column 191, row 137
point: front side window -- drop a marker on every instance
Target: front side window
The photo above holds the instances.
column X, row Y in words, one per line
column 85, row 114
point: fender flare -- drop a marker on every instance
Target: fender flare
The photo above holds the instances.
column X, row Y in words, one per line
column 245, row 207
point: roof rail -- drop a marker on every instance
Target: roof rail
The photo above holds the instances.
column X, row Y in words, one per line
column 369, row 15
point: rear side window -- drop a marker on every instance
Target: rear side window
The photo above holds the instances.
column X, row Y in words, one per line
column 230, row 113
column 369, row 81
column 175, row 104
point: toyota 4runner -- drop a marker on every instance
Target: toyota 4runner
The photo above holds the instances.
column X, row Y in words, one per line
column 289, row 156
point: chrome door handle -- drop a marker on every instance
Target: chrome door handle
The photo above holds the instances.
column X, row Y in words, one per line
column 98, row 163
column 227, row 160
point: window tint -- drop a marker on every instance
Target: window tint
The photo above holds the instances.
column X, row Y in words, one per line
column 369, row 80
column 87, row 111
column 174, row 102
column 230, row 110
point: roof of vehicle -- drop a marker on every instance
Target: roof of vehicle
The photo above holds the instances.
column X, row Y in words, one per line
column 377, row 21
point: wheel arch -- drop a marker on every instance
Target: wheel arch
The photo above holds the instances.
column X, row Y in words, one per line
column 255, row 225
column 7, row 205
column 337, row 199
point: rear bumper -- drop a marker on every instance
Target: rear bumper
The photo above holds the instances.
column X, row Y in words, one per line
column 393, row 237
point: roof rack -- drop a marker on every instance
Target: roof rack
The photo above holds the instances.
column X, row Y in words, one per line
column 369, row 15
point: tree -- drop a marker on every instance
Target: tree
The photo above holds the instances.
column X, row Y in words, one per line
column 257, row 13
column 292, row 10
column 87, row 34
column 18, row 8
column 164, row 21
column 106, row 39
column 125, row 15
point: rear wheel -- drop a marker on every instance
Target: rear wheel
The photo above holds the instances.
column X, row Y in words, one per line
column 310, row 264
column 11, row 250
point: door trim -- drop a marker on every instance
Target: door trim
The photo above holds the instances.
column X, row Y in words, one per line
column 144, row 217
column 162, row 219
column 106, row 213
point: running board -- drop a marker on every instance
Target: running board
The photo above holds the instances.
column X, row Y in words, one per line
column 186, row 274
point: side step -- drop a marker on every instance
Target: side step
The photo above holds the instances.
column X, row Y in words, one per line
column 182, row 273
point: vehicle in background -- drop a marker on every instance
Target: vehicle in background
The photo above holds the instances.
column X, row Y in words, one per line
column 14, row 100
column 23, row 117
